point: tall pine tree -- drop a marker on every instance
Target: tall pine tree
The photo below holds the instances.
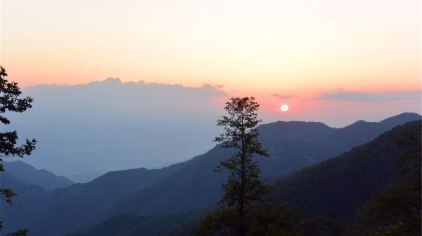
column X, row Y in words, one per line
column 244, row 188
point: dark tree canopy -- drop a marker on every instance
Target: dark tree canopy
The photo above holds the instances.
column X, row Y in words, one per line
column 398, row 210
column 244, row 188
column 11, row 101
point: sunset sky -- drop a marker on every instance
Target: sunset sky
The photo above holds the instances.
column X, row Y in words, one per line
column 331, row 60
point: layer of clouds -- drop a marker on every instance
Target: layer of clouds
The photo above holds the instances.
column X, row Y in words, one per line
column 108, row 125
column 342, row 95
column 284, row 96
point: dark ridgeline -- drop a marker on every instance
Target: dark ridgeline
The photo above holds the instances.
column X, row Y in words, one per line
column 337, row 187
column 28, row 174
column 180, row 192
column 330, row 193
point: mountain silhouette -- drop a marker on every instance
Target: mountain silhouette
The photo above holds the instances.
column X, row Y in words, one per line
column 339, row 186
column 30, row 175
column 334, row 189
column 193, row 185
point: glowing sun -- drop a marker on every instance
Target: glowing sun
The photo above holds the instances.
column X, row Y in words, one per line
column 284, row 107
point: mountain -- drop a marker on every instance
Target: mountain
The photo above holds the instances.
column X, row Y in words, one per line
column 83, row 177
column 292, row 146
column 334, row 188
column 193, row 185
column 339, row 186
column 81, row 204
column 26, row 203
column 131, row 225
column 30, row 175
column 32, row 187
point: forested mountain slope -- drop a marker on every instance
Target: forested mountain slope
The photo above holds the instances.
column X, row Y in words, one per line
column 193, row 185
column 337, row 187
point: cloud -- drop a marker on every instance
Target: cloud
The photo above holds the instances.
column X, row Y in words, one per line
column 107, row 125
column 342, row 95
column 284, row 96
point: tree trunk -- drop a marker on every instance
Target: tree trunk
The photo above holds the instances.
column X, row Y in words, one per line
column 242, row 230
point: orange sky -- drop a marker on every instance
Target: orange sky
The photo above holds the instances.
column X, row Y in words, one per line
column 251, row 47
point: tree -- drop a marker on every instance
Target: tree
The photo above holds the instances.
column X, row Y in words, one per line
column 11, row 101
column 398, row 210
column 243, row 188
column 268, row 219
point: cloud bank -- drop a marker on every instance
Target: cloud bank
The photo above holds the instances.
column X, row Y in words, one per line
column 108, row 125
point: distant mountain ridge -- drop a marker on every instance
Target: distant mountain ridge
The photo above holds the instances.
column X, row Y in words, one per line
column 32, row 187
column 335, row 188
column 193, row 185
column 31, row 175
column 292, row 146
column 84, row 177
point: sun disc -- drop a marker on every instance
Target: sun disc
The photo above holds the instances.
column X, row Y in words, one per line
column 284, row 107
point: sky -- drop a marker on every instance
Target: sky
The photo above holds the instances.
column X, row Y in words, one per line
column 329, row 60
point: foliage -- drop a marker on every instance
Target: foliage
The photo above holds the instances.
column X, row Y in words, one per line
column 264, row 220
column 243, row 188
column 221, row 222
column 11, row 101
column 19, row 233
column 398, row 210
column 276, row 220
column 322, row 226
column 339, row 186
